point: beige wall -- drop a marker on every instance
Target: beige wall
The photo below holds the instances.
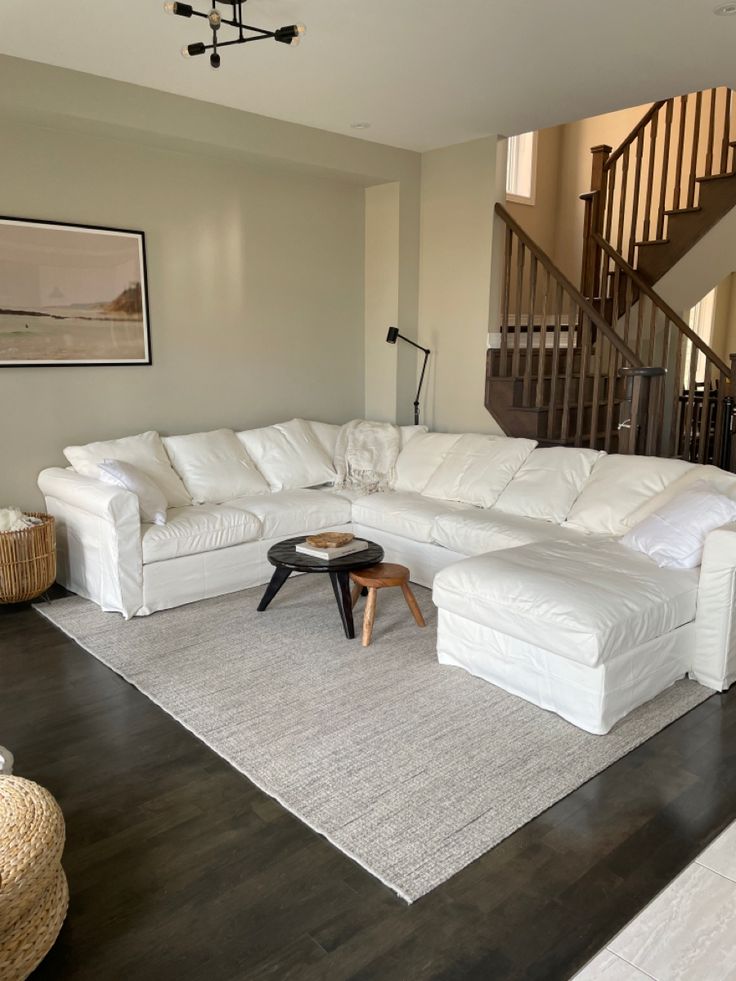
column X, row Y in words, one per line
column 458, row 196
column 256, row 296
column 382, row 275
column 540, row 219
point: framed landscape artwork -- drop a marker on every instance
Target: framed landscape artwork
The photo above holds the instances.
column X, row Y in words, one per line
column 72, row 295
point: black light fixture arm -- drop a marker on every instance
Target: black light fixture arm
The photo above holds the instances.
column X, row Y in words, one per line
column 391, row 337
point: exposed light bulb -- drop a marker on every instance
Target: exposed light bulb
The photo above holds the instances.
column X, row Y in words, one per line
column 295, row 41
column 169, row 7
column 301, row 29
column 215, row 19
column 185, row 51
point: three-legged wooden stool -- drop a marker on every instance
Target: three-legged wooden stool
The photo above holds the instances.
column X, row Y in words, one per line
column 377, row 577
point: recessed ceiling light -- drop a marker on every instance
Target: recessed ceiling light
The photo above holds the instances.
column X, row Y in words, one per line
column 725, row 10
column 360, row 126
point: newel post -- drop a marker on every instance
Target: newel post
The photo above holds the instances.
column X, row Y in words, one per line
column 595, row 206
column 640, row 428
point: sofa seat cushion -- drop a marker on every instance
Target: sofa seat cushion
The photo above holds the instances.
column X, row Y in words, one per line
column 402, row 513
column 198, row 528
column 586, row 601
column 295, row 512
column 477, row 531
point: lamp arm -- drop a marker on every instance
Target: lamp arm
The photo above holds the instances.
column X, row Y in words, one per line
column 413, row 343
column 421, row 381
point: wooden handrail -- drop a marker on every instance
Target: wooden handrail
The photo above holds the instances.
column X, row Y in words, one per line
column 666, row 309
column 596, row 318
column 652, row 111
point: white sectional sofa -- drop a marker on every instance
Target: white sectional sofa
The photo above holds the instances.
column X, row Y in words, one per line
column 520, row 544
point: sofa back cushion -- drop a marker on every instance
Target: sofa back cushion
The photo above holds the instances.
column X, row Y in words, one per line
column 611, row 501
column 145, row 451
column 214, row 466
column 419, row 458
column 289, row 455
column 477, row 468
column 152, row 502
column 548, row 483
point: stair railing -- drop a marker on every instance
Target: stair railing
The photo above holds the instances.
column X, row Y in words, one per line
column 694, row 399
column 564, row 353
column 654, row 172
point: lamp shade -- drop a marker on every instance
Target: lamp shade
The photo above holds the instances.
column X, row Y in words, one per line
column 393, row 333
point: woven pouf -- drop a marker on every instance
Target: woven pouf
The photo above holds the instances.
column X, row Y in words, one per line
column 33, row 888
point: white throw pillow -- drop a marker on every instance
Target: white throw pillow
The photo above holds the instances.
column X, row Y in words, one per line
column 214, row 466
column 409, row 432
column 548, row 483
column 477, row 468
column 326, row 433
column 289, row 455
column 618, row 486
column 151, row 499
column 674, row 535
column 145, row 451
column 419, row 459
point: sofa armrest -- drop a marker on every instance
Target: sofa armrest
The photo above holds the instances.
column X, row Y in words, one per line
column 98, row 533
column 714, row 663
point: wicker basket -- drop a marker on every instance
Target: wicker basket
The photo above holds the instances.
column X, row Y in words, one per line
column 27, row 560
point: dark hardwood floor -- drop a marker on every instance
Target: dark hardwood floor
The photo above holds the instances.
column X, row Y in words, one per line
column 179, row 868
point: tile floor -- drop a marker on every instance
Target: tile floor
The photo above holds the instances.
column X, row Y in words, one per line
column 688, row 933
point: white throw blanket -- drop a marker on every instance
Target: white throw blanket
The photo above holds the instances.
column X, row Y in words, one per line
column 13, row 519
column 365, row 455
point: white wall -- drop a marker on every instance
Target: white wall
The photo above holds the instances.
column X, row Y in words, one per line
column 457, row 221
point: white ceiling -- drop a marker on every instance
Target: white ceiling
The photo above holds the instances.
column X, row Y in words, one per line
column 423, row 73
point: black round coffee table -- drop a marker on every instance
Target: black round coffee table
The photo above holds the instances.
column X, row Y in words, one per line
column 286, row 559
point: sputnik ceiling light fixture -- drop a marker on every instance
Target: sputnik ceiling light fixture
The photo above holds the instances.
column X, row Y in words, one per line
column 286, row 35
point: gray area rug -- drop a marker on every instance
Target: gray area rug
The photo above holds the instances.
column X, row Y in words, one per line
column 411, row 768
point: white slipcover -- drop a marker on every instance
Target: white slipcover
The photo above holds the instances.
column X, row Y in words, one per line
column 477, row 468
column 295, row 512
column 584, row 601
column 145, row 451
column 419, row 459
column 214, row 466
column 289, row 455
column 475, row 531
column 198, row 528
column 402, row 513
column 618, row 486
column 548, row 483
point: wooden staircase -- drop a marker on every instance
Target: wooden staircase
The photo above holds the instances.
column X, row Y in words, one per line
column 610, row 365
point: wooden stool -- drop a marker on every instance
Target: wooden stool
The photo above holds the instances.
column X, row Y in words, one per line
column 377, row 577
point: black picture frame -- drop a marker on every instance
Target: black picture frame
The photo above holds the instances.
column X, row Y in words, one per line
column 129, row 332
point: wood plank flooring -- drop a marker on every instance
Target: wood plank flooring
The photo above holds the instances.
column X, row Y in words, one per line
column 179, row 868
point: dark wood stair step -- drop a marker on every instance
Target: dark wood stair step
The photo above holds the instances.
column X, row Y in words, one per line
column 715, row 177
column 673, row 212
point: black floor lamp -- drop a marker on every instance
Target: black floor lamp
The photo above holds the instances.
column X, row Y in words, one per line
column 391, row 337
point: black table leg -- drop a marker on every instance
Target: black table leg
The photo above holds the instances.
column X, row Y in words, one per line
column 279, row 577
column 341, row 585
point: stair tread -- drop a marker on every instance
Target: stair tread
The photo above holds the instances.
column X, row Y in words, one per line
column 683, row 211
column 715, row 177
column 558, row 405
column 654, row 241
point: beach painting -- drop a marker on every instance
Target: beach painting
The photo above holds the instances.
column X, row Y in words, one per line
column 72, row 295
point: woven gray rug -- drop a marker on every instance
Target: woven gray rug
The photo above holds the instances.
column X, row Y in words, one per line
column 412, row 769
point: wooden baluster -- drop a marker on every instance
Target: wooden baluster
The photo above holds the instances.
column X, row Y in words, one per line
column 711, row 133
column 520, row 263
column 503, row 357
column 694, row 155
column 555, row 355
column 665, row 168
column 628, row 300
column 595, row 398
column 623, row 195
column 720, row 390
column 672, row 449
column 583, row 370
column 610, row 194
column 677, row 193
column 704, row 434
column 687, row 448
column 573, row 341
column 657, row 407
column 652, row 332
column 639, row 325
column 650, row 176
column 726, row 140
column 529, row 357
column 635, row 198
column 610, row 427
column 542, row 370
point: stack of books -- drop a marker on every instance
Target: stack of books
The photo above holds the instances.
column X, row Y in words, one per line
column 337, row 552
